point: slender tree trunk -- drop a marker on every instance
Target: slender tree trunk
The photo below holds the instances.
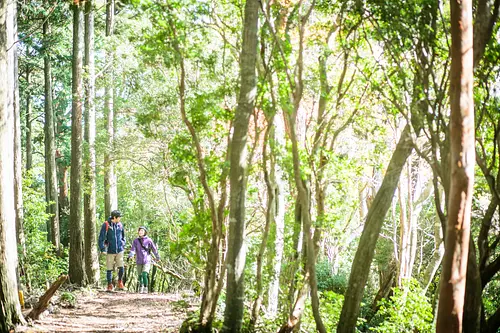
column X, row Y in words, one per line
column 110, row 190
column 29, row 140
column 76, row 252
column 269, row 177
column 437, row 257
column 10, row 309
column 63, row 201
column 295, row 256
column 211, row 289
column 272, row 307
column 89, row 198
column 236, row 256
column 403, row 239
column 487, row 14
column 50, row 146
column 453, row 279
column 376, row 214
column 304, row 198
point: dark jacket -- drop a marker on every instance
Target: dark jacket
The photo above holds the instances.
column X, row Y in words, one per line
column 112, row 239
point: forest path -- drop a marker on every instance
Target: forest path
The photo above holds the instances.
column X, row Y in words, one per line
column 103, row 311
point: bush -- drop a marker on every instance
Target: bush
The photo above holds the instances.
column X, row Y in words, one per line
column 41, row 263
column 328, row 281
column 408, row 310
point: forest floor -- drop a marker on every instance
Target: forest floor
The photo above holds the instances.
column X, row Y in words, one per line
column 101, row 311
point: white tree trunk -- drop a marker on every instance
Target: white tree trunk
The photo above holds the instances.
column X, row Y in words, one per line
column 279, row 242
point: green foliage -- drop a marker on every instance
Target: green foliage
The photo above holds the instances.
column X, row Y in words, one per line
column 68, row 299
column 331, row 307
column 330, row 282
column 41, row 262
column 408, row 310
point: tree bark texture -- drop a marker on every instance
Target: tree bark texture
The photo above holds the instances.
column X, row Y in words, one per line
column 236, row 256
column 453, row 278
column 18, row 164
column 89, row 197
column 110, row 190
column 10, row 309
column 376, row 214
column 29, row 140
column 76, row 252
column 50, row 145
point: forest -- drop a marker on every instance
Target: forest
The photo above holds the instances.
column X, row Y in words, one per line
column 301, row 165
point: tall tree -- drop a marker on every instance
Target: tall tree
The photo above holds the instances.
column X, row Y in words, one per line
column 110, row 191
column 89, row 197
column 50, row 151
column 278, row 185
column 76, row 252
column 29, row 143
column 10, row 309
column 236, row 256
column 18, row 166
column 453, row 278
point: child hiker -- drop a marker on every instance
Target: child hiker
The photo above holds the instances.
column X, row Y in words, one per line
column 112, row 244
column 142, row 248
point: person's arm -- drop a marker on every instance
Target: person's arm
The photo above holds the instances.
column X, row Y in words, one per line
column 123, row 237
column 102, row 236
column 133, row 249
column 155, row 250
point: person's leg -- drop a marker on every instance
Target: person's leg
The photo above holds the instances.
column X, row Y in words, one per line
column 110, row 260
column 119, row 264
column 139, row 277
column 145, row 276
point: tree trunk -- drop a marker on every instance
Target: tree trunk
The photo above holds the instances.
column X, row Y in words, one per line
column 295, row 256
column 437, row 257
column 76, row 252
column 473, row 293
column 18, row 164
column 110, row 190
column 374, row 221
column 10, row 309
column 89, row 197
column 50, row 145
column 269, row 177
column 236, row 256
column 63, row 202
column 487, row 14
column 453, row 279
column 303, row 190
column 29, row 140
column 279, row 219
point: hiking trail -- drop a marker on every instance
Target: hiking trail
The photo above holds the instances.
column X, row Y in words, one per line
column 100, row 311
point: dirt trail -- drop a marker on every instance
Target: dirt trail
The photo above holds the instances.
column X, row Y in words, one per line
column 115, row 312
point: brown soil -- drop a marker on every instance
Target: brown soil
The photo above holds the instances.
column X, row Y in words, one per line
column 114, row 312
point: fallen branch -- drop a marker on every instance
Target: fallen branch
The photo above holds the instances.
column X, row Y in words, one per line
column 168, row 271
column 43, row 302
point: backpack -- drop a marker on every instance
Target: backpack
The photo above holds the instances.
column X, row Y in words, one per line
column 107, row 228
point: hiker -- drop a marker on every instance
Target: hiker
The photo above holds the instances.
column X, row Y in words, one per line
column 142, row 247
column 112, row 243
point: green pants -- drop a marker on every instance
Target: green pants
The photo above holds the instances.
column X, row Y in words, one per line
column 142, row 274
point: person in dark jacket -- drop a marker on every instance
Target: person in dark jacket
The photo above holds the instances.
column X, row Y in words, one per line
column 142, row 247
column 112, row 243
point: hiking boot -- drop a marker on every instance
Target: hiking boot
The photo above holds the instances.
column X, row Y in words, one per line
column 120, row 285
column 110, row 287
